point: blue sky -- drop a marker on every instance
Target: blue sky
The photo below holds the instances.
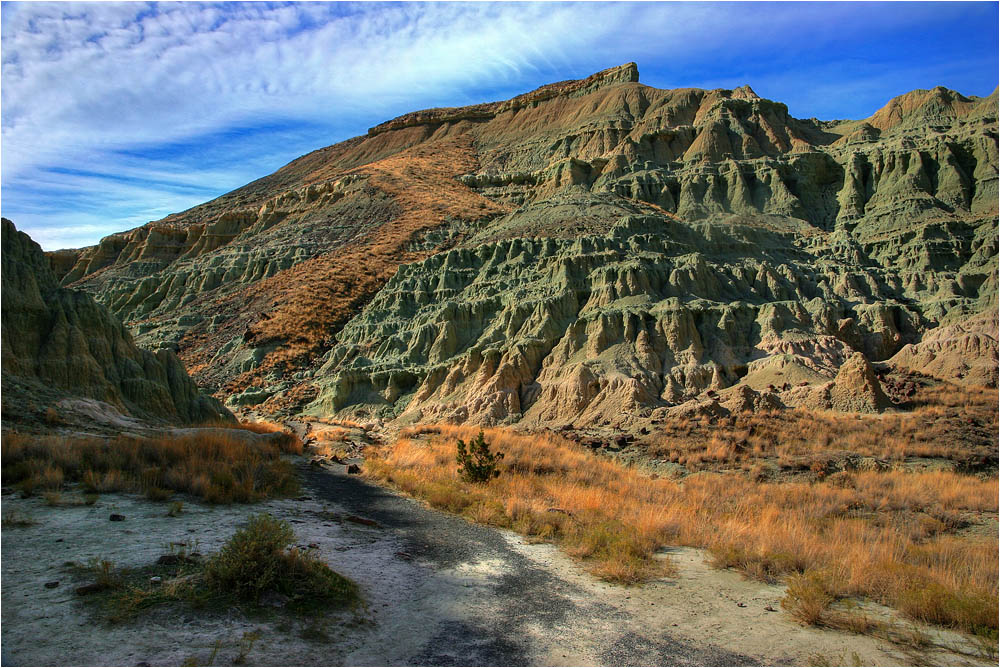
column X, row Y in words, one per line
column 114, row 114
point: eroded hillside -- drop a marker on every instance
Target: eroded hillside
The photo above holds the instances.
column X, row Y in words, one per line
column 67, row 359
column 593, row 249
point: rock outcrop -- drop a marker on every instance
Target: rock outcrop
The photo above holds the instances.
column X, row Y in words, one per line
column 590, row 250
column 64, row 355
column 965, row 352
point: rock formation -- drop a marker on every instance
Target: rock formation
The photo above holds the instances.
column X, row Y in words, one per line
column 66, row 358
column 590, row 251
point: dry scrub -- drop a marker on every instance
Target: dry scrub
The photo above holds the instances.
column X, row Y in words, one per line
column 878, row 535
column 310, row 301
column 212, row 464
column 948, row 422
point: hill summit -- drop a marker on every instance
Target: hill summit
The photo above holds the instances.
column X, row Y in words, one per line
column 595, row 251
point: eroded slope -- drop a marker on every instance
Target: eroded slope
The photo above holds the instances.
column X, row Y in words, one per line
column 780, row 242
column 59, row 344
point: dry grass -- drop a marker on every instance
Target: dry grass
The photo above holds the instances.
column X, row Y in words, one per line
column 878, row 537
column 947, row 422
column 212, row 465
column 340, row 422
column 308, row 302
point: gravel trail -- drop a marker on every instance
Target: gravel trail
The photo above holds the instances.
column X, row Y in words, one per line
column 517, row 612
column 438, row 591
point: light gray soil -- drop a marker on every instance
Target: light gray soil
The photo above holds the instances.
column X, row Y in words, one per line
column 439, row 591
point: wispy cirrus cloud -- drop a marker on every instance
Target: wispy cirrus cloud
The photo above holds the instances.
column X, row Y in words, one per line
column 117, row 113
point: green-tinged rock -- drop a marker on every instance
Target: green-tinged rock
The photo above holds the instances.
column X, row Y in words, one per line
column 60, row 343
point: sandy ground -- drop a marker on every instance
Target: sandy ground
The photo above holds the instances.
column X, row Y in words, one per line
column 439, row 591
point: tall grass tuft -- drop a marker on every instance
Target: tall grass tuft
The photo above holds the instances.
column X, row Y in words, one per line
column 882, row 537
column 211, row 464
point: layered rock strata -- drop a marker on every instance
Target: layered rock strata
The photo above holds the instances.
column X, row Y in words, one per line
column 603, row 246
column 65, row 355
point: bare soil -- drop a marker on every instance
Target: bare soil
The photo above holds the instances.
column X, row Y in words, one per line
column 438, row 591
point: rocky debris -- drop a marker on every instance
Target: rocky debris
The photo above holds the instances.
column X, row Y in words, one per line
column 856, row 388
column 965, row 352
column 743, row 399
column 115, row 517
column 361, row 520
column 353, row 469
column 52, row 585
column 88, row 589
column 694, row 409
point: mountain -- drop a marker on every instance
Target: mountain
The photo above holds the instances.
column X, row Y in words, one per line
column 589, row 251
column 67, row 359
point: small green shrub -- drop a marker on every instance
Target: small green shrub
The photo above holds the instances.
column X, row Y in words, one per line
column 255, row 560
column 475, row 461
column 250, row 562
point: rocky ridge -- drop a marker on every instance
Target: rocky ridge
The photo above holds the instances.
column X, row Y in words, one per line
column 67, row 359
column 589, row 248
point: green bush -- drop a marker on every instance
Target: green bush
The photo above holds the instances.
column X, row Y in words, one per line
column 255, row 560
column 251, row 561
column 475, row 461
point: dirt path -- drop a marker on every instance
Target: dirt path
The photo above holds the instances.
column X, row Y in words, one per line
column 439, row 591
column 484, row 598
column 481, row 596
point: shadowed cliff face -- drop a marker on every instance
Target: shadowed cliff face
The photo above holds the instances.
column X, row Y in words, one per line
column 60, row 344
column 591, row 240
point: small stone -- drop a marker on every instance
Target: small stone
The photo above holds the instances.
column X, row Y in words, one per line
column 91, row 588
column 115, row 517
column 361, row 520
column 156, row 580
column 52, row 585
column 353, row 469
column 313, row 546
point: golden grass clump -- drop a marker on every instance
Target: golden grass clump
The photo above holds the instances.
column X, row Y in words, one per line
column 807, row 439
column 880, row 535
column 211, row 464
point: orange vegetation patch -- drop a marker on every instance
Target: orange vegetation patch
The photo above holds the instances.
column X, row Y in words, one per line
column 880, row 535
column 211, row 464
column 341, row 422
column 307, row 303
column 948, row 422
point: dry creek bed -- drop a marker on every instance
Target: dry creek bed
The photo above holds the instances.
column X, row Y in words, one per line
column 438, row 591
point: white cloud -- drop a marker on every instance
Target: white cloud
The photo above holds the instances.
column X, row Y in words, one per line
column 83, row 82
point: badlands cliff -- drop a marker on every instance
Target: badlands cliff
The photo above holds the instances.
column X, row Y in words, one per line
column 593, row 251
column 67, row 359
